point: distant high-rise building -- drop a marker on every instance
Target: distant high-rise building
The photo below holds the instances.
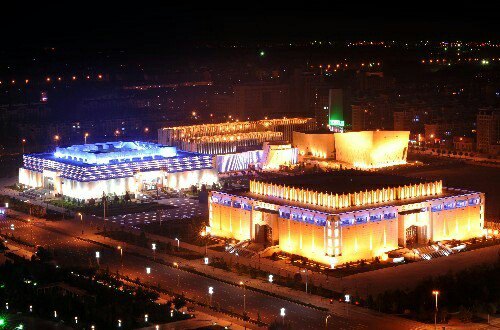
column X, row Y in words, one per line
column 336, row 110
column 258, row 100
column 402, row 120
column 359, row 116
column 222, row 104
column 488, row 131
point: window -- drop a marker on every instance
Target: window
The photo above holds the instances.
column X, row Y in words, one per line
column 437, row 208
column 361, row 219
column 346, row 222
column 375, row 217
column 474, row 201
column 449, row 206
column 321, row 221
column 389, row 216
column 462, row 203
column 284, row 214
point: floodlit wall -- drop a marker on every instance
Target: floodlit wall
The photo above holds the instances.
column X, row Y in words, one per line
column 95, row 189
column 229, row 221
column 276, row 155
column 186, row 179
column 303, row 239
column 238, row 161
column 372, row 148
column 368, row 240
column 458, row 218
column 30, row 178
column 320, row 145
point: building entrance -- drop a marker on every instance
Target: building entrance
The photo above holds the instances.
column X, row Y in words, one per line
column 415, row 236
column 263, row 234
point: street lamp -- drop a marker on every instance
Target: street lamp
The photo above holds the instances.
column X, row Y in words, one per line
column 326, row 320
column 178, row 275
column 23, row 142
column 347, row 299
column 56, row 139
column 178, row 243
column 148, row 270
column 270, row 278
column 146, row 316
column 307, row 280
column 153, row 246
column 243, row 284
column 121, row 257
column 210, row 292
column 282, row 313
column 97, row 256
column 81, row 220
column 85, row 136
column 436, row 293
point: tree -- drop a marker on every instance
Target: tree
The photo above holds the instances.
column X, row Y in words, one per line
column 127, row 197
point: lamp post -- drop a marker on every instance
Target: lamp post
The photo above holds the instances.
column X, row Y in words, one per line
column 81, row 220
column 435, row 293
column 178, row 243
column 23, row 142
column 153, row 246
column 326, row 320
column 85, row 136
column 121, row 257
column 210, row 293
column 176, row 264
column 243, row 284
column 307, row 279
column 347, row 299
column 56, row 139
column 97, row 256
column 282, row 313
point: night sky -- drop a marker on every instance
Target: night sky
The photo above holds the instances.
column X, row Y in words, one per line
column 91, row 25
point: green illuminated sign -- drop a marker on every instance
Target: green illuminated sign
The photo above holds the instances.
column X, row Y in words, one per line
column 334, row 122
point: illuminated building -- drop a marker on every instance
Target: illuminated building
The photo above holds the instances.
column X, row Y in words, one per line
column 319, row 144
column 270, row 157
column 88, row 171
column 177, row 136
column 346, row 216
column 369, row 149
column 366, row 149
column 228, row 143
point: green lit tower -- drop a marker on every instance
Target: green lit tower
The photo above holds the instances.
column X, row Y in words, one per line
column 336, row 110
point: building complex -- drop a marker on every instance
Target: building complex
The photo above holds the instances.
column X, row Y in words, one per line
column 91, row 170
column 346, row 215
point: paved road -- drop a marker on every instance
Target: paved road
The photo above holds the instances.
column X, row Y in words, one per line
column 72, row 251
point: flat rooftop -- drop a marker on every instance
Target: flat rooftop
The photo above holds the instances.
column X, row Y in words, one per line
column 283, row 202
column 348, row 181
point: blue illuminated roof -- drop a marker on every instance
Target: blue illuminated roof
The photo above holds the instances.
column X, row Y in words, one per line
column 114, row 152
column 115, row 160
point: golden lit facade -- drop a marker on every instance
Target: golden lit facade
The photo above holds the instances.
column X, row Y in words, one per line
column 174, row 136
column 228, row 143
column 315, row 144
column 372, row 149
column 338, row 228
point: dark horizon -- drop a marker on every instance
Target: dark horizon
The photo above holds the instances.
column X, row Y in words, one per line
column 162, row 27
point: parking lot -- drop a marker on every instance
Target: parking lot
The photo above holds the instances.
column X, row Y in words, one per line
column 183, row 208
